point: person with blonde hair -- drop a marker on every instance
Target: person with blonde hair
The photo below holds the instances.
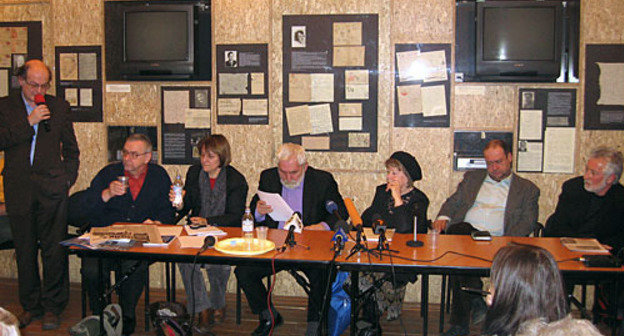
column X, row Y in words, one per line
column 527, row 296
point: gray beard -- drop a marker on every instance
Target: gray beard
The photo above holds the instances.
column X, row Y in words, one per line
column 291, row 185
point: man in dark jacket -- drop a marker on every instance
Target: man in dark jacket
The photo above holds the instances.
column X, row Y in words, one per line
column 305, row 190
column 41, row 164
column 144, row 199
column 592, row 205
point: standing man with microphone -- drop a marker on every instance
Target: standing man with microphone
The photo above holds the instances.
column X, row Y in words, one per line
column 41, row 164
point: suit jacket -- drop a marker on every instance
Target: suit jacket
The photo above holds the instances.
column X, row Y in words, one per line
column 318, row 187
column 55, row 165
column 152, row 201
column 581, row 213
column 521, row 209
column 235, row 198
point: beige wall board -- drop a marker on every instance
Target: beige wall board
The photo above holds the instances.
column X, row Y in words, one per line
column 78, row 22
column 497, row 108
column 241, row 21
column 601, row 21
column 423, row 21
column 141, row 106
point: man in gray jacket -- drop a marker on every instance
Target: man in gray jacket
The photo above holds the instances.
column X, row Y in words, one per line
column 496, row 200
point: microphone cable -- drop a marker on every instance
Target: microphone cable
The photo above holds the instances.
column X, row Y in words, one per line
column 270, row 291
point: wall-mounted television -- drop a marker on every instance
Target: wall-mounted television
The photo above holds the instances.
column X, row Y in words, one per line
column 518, row 41
column 158, row 40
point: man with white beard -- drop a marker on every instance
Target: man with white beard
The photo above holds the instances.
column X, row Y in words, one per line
column 592, row 205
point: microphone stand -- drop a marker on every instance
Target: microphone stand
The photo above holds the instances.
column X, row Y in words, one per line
column 103, row 298
column 358, row 243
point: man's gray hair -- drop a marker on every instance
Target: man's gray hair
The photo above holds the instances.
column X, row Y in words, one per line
column 614, row 160
column 289, row 150
column 140, row 137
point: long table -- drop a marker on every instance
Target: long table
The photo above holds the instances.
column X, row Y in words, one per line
column 453, row 254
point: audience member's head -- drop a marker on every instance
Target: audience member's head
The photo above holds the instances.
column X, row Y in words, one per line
column 9, row 325
column 525, row 284
column 498, row 159
column 603, row 169
column 291, row 165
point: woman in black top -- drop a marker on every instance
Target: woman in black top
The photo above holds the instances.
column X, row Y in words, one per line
column 399, row 204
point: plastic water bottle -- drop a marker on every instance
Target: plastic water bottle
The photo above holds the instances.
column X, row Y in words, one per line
column 247, row 224
column 177, row 190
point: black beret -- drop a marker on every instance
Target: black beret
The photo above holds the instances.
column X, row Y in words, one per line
column 409, row 162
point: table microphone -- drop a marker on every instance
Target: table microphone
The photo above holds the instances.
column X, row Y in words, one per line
column 209, row 242
column 40, row 100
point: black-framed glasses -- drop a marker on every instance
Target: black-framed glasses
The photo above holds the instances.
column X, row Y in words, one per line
column 38, row 86
column 132, row 155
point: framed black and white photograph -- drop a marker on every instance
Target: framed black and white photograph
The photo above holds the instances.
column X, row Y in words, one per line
column 298, row 37
column 231, row 58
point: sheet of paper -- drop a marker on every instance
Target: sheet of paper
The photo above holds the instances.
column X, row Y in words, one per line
column 257, row 83
column 175, row 104
column 611, row 83
column 349, row 56
column 320, row 119
column 359, row 140
column 170, row 230
column 281, row 210
column 4, row 82
column 407, row 68
column 469, row 90
column 229, row 106
column 350, row 109
column 316, row 142
column 14, row 40
column 347, row 33
column 410, row 101
column 433, row 100
column 68, row 63
column 86, row 97
column 530, row 158
column 434, row 63
column 298, row 120
column 256, row 107
column 299, row 87
column 350, row 123
column 530, row 125
column 87, row 66
column 233, row 83
column 197, row 118
column 195, row 242
column 356, row 84
column 322, row 87
column 71, row 95
column 559, row 143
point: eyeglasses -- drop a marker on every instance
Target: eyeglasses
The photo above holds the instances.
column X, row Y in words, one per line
column 132, row 155
column 38, row 86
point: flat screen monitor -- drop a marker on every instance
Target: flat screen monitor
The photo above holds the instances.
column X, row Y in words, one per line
column 519, row 39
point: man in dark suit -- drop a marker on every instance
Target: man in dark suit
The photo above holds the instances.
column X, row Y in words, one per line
column 41, row 164
column 305, row 190
column 496, row 200
column 143, row 199
column 592, row 205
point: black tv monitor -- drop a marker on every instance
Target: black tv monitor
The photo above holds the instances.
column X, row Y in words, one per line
column 519, row 40
column 157, row 40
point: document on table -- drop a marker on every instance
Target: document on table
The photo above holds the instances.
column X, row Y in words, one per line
column 281, row 210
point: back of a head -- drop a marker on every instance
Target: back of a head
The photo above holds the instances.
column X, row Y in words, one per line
column 527, row 285
column 9, row 325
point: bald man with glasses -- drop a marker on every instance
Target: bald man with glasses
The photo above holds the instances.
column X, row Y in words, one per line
column 41, row 163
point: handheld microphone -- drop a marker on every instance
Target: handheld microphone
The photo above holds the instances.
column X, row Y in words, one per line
column 40, row 100
column 332, row 208
column 353, row 214
column 209, row 242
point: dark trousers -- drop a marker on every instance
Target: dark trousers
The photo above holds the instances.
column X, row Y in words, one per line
column 250, row 280
column 44, row 226
column 129, row 291
column 460, row 305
